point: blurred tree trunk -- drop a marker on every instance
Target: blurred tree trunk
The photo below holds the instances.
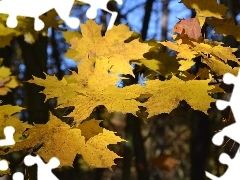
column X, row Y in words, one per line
column 35, row 59
column 148, row 10
column 56, row 54
column 199, row 145
column 128, row 151
column 134, row 126
column 164, row 20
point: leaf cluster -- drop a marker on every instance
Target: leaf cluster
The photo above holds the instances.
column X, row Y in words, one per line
column 101, row 59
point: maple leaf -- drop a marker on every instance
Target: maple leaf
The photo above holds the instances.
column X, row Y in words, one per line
column 6, row 34
column 190, row 49
column 90, row 128
column 63, row 142
column 225, row 27
column 96, row 153
column 51, row 83
column 8, row 119
column 85, row 70
column 186, row 64
column 190, row 27
column 93, row 46
column 26, row 25
column 175, row 90
column 165, row 162
column 184, row 50
column 219, row 67
column 162, row 63
column 203, row 73
column 217, row 89
column 50, row 20
column 101, row 74
column 206, row 8
column 113, row 98
column 224, row 53
column 201, row 20
column 7, row 81
column 86, row 98
column 57, row 138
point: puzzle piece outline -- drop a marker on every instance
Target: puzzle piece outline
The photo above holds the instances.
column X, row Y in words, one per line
column 44, row 170
column 34, row 9
column 231, row 131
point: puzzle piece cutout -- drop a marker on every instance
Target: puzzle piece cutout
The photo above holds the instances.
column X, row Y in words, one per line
column 44, row 171
column 95, row 5
column 35, row 8
column 9, row 140
column 232, row 131
column 3, row 165
column 233, row 165
column 18, row 176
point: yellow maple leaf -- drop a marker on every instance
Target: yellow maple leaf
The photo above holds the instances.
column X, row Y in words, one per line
column 201, row 20
column 90, row 128
column 101, row 74
column 206, row 8
column 8, row 119
column 194, row 92
column 6, row 34
column 224, row 53
column 186, row 64
column 51, row 83
column 219, row 67
column 184, row 50
column 203, row 74
column 225, row 27
column 93, row 46
column 96, row 153
column 12, row 83
column 4, row 72
column 63, row 142
column 113, row 98
column 7, row 81
column 162, row 63
column 71, row 36
column 216, row 89
column 59, row 140
column 49, row 19
column 190, row 49
column 26, row 25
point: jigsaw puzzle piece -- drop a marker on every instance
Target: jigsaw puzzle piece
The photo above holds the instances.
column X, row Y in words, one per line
column 9, row 140
column 221, row 104
column 63, row 8
column 95, row 5
column 44, row 170
column 211, row 176
column 3, row 165
column 18, row 176
column 218, row 139
column 229, row 78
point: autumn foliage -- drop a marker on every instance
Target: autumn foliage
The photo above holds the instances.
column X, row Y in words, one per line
column 100, row 59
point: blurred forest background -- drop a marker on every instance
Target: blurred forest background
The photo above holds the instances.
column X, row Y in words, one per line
column 166, row 147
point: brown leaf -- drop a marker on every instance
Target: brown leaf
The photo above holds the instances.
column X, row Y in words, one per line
column 190, row 27
column 165, row 162
column 3, row 81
